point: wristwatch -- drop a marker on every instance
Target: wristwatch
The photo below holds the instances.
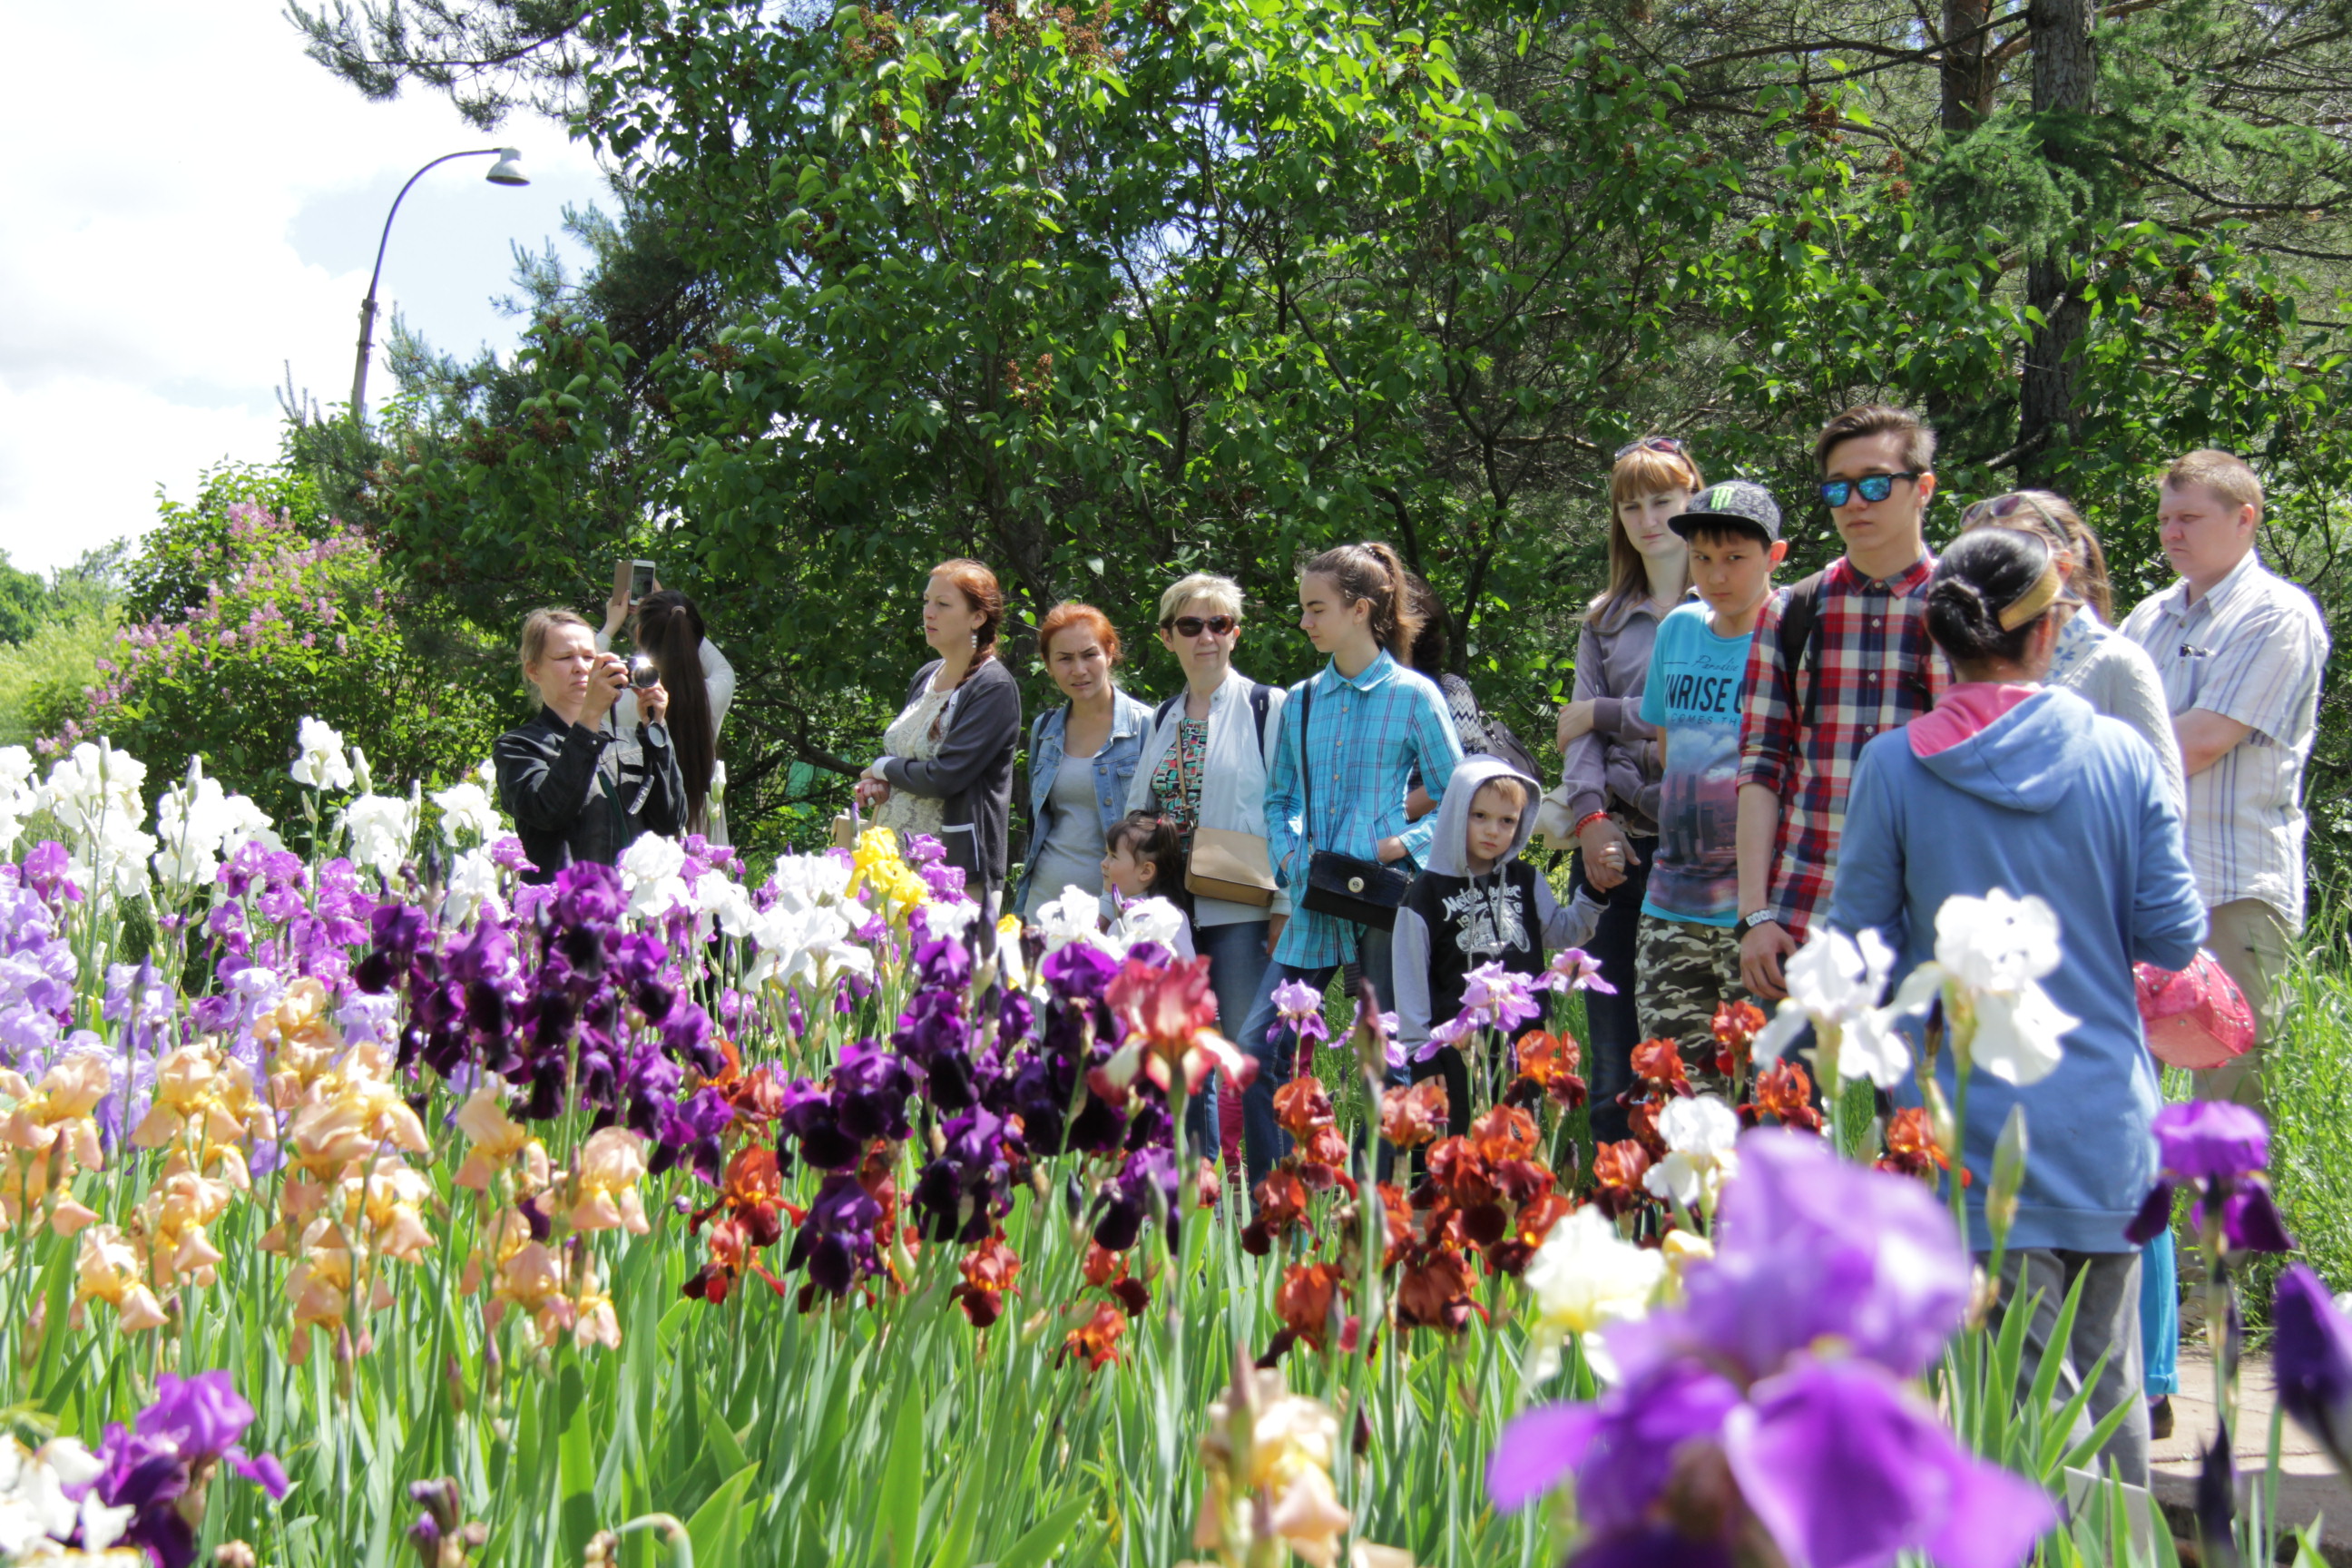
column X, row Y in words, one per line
column 1754, row 918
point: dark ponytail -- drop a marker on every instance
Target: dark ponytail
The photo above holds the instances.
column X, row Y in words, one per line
column 1155, row 841
column 669, row 629
column 1984, row 573
column 1374, row 571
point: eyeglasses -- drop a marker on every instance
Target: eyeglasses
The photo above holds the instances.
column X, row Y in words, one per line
column 1999, row 507
column 1193, row 626
column 1871, row 486
column 1666, row 443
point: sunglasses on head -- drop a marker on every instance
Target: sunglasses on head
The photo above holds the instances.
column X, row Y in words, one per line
column 1999, row 507
column 1869, row 486
column 1193, row 626
column 1666, row 443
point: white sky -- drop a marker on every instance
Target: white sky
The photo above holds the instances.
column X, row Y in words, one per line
column 187, row 204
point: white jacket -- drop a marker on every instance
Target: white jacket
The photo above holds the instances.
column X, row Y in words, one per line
column 1232, row 792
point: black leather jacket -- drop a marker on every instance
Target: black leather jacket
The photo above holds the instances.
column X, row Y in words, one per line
column 574, row 797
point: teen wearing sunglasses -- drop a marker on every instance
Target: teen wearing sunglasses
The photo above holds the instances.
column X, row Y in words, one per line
column 1203, row 764
column 1837, row 659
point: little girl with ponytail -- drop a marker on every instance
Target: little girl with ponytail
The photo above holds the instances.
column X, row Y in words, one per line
column 1352, row 735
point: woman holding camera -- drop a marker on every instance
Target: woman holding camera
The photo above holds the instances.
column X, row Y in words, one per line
column 573, row 796
column 946, row 762
column 667, row 627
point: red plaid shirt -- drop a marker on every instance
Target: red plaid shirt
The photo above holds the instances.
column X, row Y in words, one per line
column 1871, row 649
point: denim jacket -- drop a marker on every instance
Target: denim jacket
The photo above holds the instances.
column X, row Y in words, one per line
column 1130, row 723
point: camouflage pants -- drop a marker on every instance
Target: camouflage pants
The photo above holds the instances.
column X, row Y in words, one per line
column 1682, row 971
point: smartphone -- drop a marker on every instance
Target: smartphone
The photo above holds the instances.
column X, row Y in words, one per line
column 641, row 579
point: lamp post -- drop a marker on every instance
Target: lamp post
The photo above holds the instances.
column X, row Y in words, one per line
column 502, row 172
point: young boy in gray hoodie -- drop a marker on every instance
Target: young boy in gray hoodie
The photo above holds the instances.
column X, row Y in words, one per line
column 1476, row 903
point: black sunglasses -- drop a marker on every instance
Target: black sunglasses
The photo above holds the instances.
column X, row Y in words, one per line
column 1871, row 487
column 1193, row 626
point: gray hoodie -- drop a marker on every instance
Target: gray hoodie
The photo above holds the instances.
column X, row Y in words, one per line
column 1452, row 921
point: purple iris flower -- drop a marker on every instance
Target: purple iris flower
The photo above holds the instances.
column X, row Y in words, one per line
column 2311, row 1357
column 1147, row 1181
column 1814, row 1246
column 397, row 927
column 1844, row 1465
column 942, row 965
column 836, row 1240
column 685, row 1036
column 959, row 1195
column 1833, row 1456
column 1622, row 1446
column 588, row 894
column 924, row 850
column 689, row 1133
column 2219, row 1148
column 1077, row 972
column 193, row 1425
column 44, row 869
column 812, row 1118
column 872, row 1086
column 933, row 1024
column 945, row 882
column 2210, row 1139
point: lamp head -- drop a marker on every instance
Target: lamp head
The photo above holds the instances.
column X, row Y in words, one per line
column 507, row 170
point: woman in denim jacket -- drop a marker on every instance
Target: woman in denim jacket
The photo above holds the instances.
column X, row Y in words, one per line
column 1082, row 756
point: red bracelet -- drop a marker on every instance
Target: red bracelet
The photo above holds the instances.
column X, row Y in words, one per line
column 1587, row 820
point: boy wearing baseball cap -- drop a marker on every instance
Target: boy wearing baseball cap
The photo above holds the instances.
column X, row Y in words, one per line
column 1688, row 957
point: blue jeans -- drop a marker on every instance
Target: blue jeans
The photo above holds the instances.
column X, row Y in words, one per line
column 1237, row 960
column 1611, row 1027
column 1263, row 1139
column 2160, row 1316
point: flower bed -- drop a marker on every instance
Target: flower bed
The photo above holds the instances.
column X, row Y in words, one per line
column 778, row 1215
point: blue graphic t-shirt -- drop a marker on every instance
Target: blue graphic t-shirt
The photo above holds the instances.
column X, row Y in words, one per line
column 1693, row 695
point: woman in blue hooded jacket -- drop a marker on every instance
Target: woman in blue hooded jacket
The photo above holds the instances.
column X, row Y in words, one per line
column 2015, row 785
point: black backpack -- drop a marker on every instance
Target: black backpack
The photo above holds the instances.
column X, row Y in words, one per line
column 1800, row 620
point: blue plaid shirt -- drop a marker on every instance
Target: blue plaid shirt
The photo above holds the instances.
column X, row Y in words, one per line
column 1370, row 731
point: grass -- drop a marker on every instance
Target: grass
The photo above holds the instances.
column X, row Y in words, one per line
column 2308, row 1075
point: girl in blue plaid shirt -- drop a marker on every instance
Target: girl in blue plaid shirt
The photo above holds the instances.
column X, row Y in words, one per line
column 1352, row 735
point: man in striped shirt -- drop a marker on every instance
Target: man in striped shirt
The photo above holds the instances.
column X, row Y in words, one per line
column 1835, row 660
column 2241, row 652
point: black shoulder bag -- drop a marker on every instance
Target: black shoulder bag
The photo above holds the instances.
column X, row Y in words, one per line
column 1362, row 892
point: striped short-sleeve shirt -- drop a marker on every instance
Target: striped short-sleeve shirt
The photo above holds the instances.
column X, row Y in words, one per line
column 2252, row 650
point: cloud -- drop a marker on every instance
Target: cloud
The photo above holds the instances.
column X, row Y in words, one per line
column 193, row 206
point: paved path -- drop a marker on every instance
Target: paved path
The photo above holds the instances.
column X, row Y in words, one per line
column 2309, row 1487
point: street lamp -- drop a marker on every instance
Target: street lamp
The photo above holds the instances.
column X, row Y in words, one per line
column 505, row 172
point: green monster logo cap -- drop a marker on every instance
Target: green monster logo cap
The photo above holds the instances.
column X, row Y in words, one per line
column 1741, row 502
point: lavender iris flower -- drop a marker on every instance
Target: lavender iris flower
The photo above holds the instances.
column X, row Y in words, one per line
column 1845, row 1465
column 1815, row 1249
column 1775, row 1396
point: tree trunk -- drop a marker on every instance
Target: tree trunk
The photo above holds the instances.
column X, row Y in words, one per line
column 2063, row 75
column 1967, row 75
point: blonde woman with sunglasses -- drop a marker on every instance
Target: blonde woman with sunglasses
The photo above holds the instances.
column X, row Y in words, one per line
column 1203, row 764
column 2094, row 661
